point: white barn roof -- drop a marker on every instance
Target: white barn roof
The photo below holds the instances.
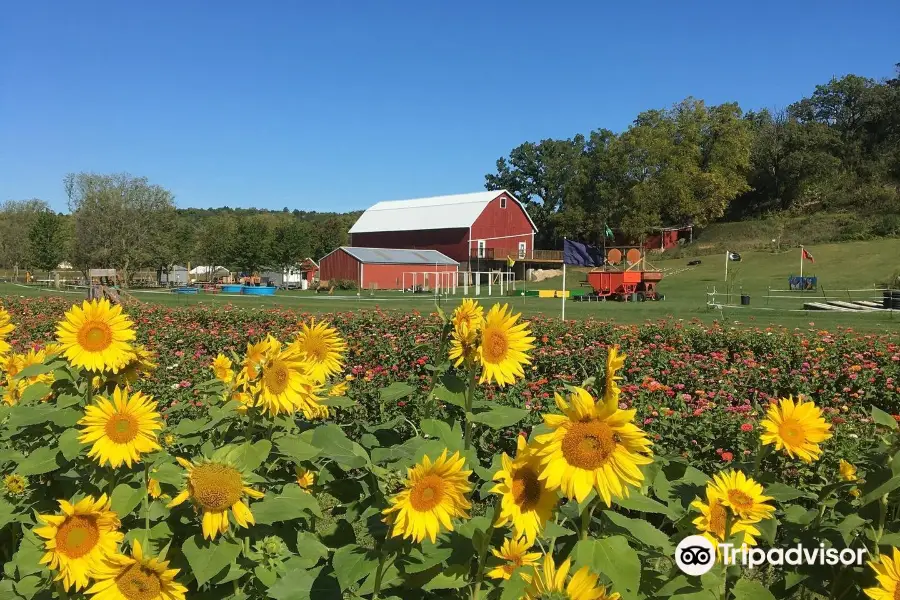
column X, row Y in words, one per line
column 387, row 256
column 458, row 211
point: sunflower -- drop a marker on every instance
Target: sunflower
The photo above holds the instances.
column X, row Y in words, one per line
column 256, row 353
column 215, row 487
column 285, row 384
column 525, row 500
column 11, row 364
column 80, row 539
column 305, row 479
column 887, row 570
column 35, row 357
column 504, row 346
column 15, row 484
column 121, row 430
column 222, row 369
column 515, row 554
column 848, row 471
column 742, row 495
column 550, row 582
column 592, row 445
column 463, row 345
column 13, row 391
column 469, row 313
column 614, row 362
column 6, row 327
column 713, row 518
column 322, row 347
column 136, row 577
column 153, row 488
column 339, row 389
column 244, row 400
column 434, row 493
column 141, row 363
column 798, row 427
column 96, row 336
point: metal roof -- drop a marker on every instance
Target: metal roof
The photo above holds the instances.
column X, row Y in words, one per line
column 440, row 212
column 388, row 256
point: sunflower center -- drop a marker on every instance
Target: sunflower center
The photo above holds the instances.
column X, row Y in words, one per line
column 122, row 428
column 495, row 345
column 95, row 336
column 526, row 488
column 215, row 486
column 315, row 348
column 77, row 536
column 427, row 493
column 740, row 500
column 138, row 583
column 513, row 563
column 276, row 378
column 589, row 445
column 791, row 431
column 897, row 593
column 717, row 518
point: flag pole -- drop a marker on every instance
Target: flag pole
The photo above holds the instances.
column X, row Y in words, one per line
column 564, row 281
column 727, row 256
column 801, row 265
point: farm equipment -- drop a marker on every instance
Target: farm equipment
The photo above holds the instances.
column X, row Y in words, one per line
column 634, row 282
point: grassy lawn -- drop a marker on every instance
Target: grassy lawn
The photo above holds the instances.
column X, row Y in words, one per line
column 762, row 275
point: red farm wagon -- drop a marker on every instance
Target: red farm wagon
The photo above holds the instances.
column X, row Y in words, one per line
column 634, row 282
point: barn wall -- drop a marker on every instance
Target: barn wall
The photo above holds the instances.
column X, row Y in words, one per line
column 339, row 265
column 450, row 242
column 502, row 228
column 390, row 277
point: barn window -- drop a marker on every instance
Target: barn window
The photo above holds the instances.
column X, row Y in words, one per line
column 481, row 248
column 502, row 201
column 521, row 250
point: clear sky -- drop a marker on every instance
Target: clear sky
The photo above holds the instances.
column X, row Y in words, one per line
column 337, row 105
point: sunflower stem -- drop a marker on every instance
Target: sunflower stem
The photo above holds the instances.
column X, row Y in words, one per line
column 882, row 514
column 442, row 350
column 761, row 454
column 482, row 553
column 146, row 504
column 61, row 590
column 586, row 515
column 379, row 573
column 470, row 399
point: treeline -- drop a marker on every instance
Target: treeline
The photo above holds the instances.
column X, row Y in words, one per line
column 837, row 151
column 125, row 222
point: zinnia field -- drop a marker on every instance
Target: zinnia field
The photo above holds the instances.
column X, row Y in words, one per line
column 169, row 453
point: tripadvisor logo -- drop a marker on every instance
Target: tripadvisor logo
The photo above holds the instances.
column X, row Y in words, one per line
column 696, row 555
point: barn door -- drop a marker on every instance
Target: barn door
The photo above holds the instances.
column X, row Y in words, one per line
column 481, row 248
column 521, row 250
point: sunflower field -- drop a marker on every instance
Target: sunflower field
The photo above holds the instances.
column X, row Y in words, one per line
column 171, row 453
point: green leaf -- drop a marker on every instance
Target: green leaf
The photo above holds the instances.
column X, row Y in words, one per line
column 446, row 581
column 42, row 460
column 35, row 392
column 7, row 513
column 69, row 444
column 292, row 503
column 640, row 503
column 849, row 526
column 885, row 488
column 189, row 426
column 208, row 559
column 125, row 498
column 514, row 587
column 500, row 417
column 334, row 443
column 265, row 575
column 27, row 557
column 451, row 390
column 169, row 473
column 27, row 587
column 300, row 584
column 452, row 437
column 296, row 449
column 613, row 557
column 35, row 370
column 799, row 515
column 351, row 564
column 310, row 549
column 641, row 530
column 23, row 415
column 786, row 493
column 747, row 589
column 884, row 419
column 67, row 400
column 552, row 531
column 338, row 402
column 395, row 391
column 248, row 457
column 704, row 595
column 767, row 530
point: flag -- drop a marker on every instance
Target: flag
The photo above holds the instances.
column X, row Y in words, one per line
column 609, row 232
column 807, row 255
column 582, row 255
column 509, row 261
column 734, row 256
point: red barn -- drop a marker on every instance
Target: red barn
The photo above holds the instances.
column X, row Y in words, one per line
column 473, row 229
column 386, row 269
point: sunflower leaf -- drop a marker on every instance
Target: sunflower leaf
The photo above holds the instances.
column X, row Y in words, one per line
column 69, row 444
column 352, row 563
column 499, row 417
column 248, row 457
column 42, row 460
column 292, row 503
column 747, row 589
column 395, row 391
column 125, row 498
column 208, row 559
column 613, row 557
column 296, row 449
column 884, row 419
column 335, row 444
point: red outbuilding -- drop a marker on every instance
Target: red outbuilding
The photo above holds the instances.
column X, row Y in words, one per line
column 473, row 229
column 389, row 269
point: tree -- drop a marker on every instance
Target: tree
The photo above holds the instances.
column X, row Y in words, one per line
column 328, row 235
column 46, row 243
column 215, row 239
column 16, row 220
column 120, row 221
column 251, row 245
column 290, row 243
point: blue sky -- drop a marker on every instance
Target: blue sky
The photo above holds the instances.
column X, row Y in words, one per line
column 337, row 105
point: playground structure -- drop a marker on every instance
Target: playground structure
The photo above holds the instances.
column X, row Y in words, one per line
column 451, row 282
column 626, row 275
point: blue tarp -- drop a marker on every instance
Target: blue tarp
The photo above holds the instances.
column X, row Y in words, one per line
column 582, row 255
